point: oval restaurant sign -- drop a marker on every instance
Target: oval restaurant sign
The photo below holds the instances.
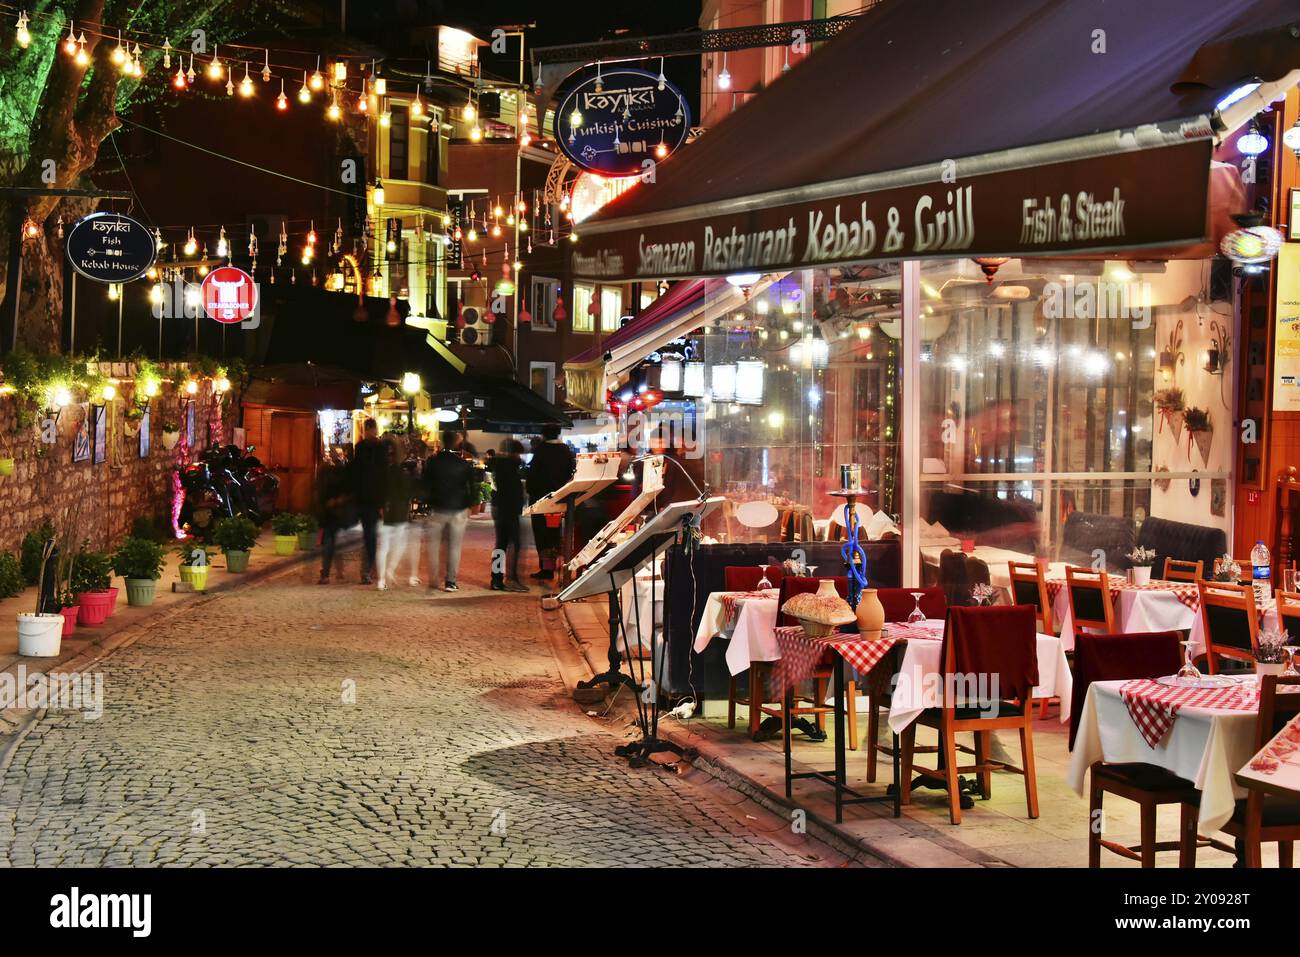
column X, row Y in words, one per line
column 110, row 248
column 229, row 294
column 613, row 130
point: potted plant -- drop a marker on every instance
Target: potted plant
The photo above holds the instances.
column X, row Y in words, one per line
column 194, row 565
column 1169, row 403
column 68, row 609
column 1141, row 559
column 11, row 575
column 171, row 434
column 1199, row 430
column 131, row 420
column 235, row 536
column 92, row 587
column 1271, row 653
column 140, row 562
column 285, row 527
column 307, row 526
column 40, row 633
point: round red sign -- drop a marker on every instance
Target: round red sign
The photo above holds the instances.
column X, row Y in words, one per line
column 229, row 294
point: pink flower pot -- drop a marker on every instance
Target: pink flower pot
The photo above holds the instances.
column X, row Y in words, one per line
column 112, row 601
column 95, row 606
column 69, row 619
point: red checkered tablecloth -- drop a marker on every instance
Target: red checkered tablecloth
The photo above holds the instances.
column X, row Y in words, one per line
column 731, row 600
column 1154, row 707
column 1185, row 592
column 800, row 654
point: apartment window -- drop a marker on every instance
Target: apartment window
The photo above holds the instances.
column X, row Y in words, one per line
column 611, row 308
column 399, row 142
column 541, row 379
column 582, row 296
column 541, row 303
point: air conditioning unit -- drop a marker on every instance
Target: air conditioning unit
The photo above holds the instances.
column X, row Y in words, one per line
column 476, row 331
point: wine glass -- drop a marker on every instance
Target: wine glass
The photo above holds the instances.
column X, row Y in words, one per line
column 917, row 616
column 764, row 582
column 810, row 571
column 1188, row 672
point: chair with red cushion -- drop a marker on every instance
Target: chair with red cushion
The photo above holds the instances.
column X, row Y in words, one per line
column 747, row 577
column 898, row 604
column 1099, row 657
column 999, row 644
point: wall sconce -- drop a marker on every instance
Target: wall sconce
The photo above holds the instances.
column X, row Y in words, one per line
column 1172, row 354
column 1218, row 354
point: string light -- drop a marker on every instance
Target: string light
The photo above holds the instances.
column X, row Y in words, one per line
column 266, row 68
column 304, row 94
column 386, row 117
column 223, row 247
column 23, row 36
column 317, row 81
column 70, row 44
column 190, row 75
column 82, row 58
column 417, row 108
column 246, row 84
column 114, row 292
column 191, row 244
column 379, row 193
column 333, row 112
column 381, row 86
column 469, row 114
column 167, row 54
column 118, row 55
column 724, row 78
column 340, row 71
column 476, row 133
column 282, row 101
column 178, row 80
column 215, row 69
column 156, row 293
column 363, row 104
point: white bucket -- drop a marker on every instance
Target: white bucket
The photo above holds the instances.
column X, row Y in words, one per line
column 1140, row 575
column 39, row 636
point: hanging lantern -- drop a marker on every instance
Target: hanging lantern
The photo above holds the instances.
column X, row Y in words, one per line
column 670, row 374
column 990, row 264
column 693, row 379
column 723, row 382
column 393, row 318
column 749, row 381
column 525, row 317
column 1253, row 244
column 559, row 315
column 1252, row 142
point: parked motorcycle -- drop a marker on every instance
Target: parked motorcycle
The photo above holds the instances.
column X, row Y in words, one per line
column 224, row 482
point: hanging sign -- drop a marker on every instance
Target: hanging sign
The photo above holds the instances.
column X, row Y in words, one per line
column 229, row 294
column 613, row 123
column 110, row 248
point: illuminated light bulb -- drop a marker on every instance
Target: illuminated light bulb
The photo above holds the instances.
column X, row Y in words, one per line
column 334, row 113
column 497, row 210
column 525, row 139
column 223, row 248
column 191, row 247
column 661, row 150
column 266, row 67
column 281, row 101
column 496, row 229
column 311, row 235
column 573, row 237
column 246, row 84
column 62, row 397
column 510, row 220
column 215, row 70
column 381, row 86
column 203, row 269
column 724, row 77
column 192, row 386
column 153, row 272
column 114, row 291
column 523, row 226
column 304, row 94
column 385, row 118
column 472, row 236
column 379, row 193
column 340, row 71
column 476, row 133
column 221, row 384
column 230, row 86
column 151, row 386
column 70, row 44
column 391, row 246
column 575, row 118
column 521, row 206
column 178, row 80
column 110, row 392
column 317, row 81
column 118, row 55
column 156, row 293
column 190, row 74
column 469, row 114
column 23, row 36
column 417, row 108
column 363, row 104
column 82, row 58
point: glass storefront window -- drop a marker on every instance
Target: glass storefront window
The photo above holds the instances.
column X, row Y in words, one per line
column 611, row 308
column 582, row 295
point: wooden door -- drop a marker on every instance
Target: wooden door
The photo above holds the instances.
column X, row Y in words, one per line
column 291, row 454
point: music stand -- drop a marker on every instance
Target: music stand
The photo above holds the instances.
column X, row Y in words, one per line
column 609, row 574
column 594, row 472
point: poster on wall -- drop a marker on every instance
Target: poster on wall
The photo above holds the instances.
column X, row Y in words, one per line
column 144, row 435
column 101, row 433
column 189, row 425
column 81, row 441
column 1286, row 348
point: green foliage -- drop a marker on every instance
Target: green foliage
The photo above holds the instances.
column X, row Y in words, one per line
column 11, row 575
column 37, row 377
column 237, row 534
column 284, row 523
column 91, row 571
column 33, row 542
column 138, row 558
column 306, row 523
column 144, row 526
column 192, row 554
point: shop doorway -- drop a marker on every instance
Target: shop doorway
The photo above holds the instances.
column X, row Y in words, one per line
column 292, row 454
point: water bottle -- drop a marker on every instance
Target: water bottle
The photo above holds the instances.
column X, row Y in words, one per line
column 1261, row 567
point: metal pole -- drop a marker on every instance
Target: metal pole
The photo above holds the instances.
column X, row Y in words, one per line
column 72, row 335
column 120, row 293
column 18, row 294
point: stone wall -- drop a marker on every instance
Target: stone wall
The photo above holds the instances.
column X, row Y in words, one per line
column 112, row 493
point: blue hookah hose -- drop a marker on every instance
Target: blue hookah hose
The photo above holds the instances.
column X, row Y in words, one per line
column 854, row 555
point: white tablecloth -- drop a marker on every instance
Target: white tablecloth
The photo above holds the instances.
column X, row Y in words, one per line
column 1206, row 746
column 916, row 686
column 753, row 636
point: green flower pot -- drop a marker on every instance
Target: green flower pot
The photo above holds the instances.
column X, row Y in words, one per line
column 195, row 575
column 140, row 591
column 306, row 541
column 236, row 561
column 285, row 544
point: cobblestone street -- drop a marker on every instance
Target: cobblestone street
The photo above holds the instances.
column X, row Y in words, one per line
column 288, row 723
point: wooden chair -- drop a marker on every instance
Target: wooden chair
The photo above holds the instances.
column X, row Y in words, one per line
column 1177, row 570
column 1088, row 593
column 1261, row 817
column 954, row 717
column 1229, row 622
column 1029, row 587
column 1288, row 613
column 746, row 578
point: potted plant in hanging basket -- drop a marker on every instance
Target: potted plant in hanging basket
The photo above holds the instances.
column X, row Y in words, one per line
column 193, row 565
column 40, row 632
column 171, row 434
column 235, row 536
column 131, row 420
column 285, row 527
column 92, row 587
column 1271, row 654
column 1140, row 560
column 140, row 562
column 1199, row 431
column 1169, row 407
column 307, row 526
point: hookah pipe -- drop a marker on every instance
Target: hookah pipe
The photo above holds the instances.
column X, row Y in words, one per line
column 854, row 555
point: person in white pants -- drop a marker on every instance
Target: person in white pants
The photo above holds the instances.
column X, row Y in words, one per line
column 394, row 531
column 454, row 521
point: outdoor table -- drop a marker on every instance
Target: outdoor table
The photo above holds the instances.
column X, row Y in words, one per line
column 1205, row 744
column 751, row 631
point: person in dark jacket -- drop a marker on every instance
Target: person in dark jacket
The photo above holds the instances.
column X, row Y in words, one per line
column 393, row 534
column 507, row 510
column 370, row 486
column 333, row 507
column 451, row 488
column 552, row 466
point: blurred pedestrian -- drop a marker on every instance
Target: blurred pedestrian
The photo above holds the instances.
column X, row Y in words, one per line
column 369, row 482
column 507, row 512
column 393, row 532
column 451, row 489
column 552, row 466
column 333, row 506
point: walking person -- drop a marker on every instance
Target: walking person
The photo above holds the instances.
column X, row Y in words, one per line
column 369, row 481
column 397, row 521
column 552, row 465
column 333, row 507
column 451, row 488
column 507, row 512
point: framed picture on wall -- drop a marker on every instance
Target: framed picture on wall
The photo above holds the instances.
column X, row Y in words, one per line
column 81, row 441
column 189, row 424
column 144, row 435
column 100, row 413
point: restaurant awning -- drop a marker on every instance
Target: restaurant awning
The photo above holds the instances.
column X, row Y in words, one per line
column 940, row 128
column 302, row 385
column 684, row 307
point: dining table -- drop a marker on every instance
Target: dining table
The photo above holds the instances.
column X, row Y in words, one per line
column 747, row 619
column 1204, row 735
